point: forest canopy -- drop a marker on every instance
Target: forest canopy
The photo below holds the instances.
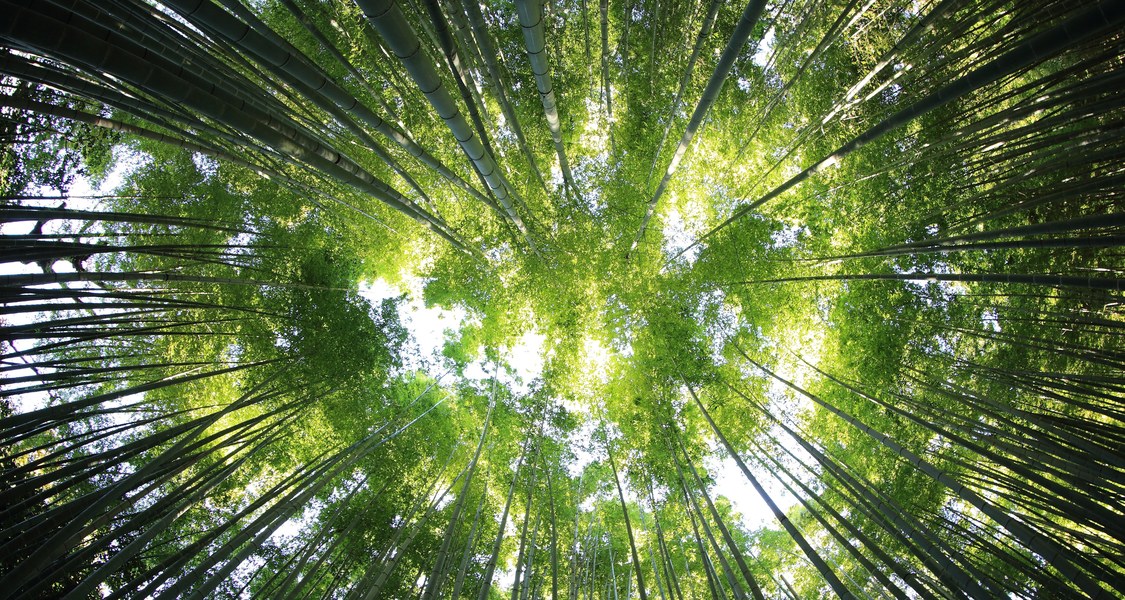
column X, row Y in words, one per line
column 621, row 299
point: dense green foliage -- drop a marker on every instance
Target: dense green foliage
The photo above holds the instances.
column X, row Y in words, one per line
column 828, row 294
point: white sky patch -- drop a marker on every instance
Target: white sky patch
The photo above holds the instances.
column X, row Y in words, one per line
column 206, row 164
column 506, row 576
column 677, row 236
column 731, row 482
column 595, row 359
column 990, row 319
column 788, row 235
column 478, row 371
column 784, row 400
column 765, row 49
column 593, row 374
column 556, row 177
column 526, row 359
column 291, row 528
column 428, row 328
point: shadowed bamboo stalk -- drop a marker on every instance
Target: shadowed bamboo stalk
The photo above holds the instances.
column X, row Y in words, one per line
column 388, row 19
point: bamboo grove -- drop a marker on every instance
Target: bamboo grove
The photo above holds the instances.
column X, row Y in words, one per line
column 828, row 294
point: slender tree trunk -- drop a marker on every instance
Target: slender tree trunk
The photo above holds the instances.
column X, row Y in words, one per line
column 797, row 536
column 738, row 39
column 628, row 526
